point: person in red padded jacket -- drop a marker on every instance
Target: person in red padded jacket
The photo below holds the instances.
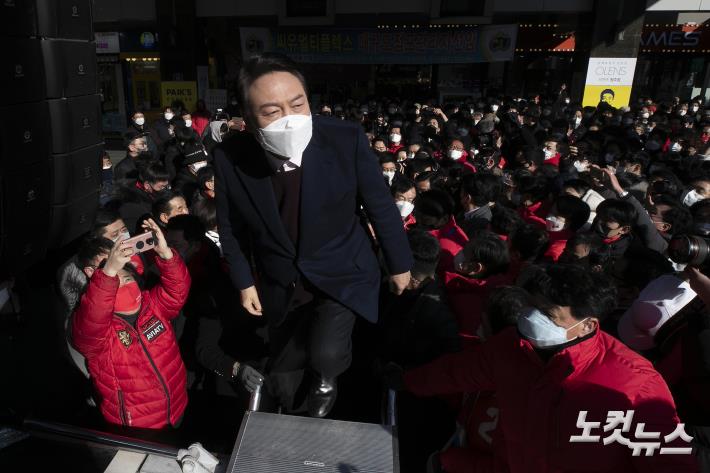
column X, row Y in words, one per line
column 557, row 364
column 128, row 341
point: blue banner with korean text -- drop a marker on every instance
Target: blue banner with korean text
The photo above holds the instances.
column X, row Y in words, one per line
column 489, row 43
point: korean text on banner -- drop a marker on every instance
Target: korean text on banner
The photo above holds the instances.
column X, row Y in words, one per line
column 609, row 80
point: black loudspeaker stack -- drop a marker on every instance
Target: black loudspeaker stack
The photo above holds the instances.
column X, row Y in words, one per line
column 50, row 128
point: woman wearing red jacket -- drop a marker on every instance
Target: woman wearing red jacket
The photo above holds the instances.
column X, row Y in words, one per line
column 128, row 341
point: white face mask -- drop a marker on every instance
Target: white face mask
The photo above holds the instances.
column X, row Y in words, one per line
column 455, row 154
column 695, row 109
column 169, row 115
column 194, row 167
column 288, row 136
column 682, row 112
column 389, row 175
column 645, row 115
column 542, row 332
column 139, row 121
column 577, row 120
column 676, row 147
column 548, row 154
column 405, row 208
column 122, row 236
column 581, row 166
column 410, row 155
column 188, row 123
column 691, row 198
column 395, row 137
column 494, row 107
column 567, row 100
column 554, row 224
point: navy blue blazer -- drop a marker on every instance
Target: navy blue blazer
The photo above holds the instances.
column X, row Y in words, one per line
column 340, row 173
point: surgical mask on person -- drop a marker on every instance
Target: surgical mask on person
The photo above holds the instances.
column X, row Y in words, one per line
column 405, row 208
column 410, row 155
column 548, row 153
column 645, row 115
column 577, row 121
column 695, row 108
column 553, row 223
column 581, row 166
column 494, row 107
column 682, row 112
column 169, row 115
column 455, row 154
column 139, row 121
column 288, row 136
column 692, row 197
column 395, row 137
column 188, row 123
column 194, row 167
column 389, row 175
column 676, row 147
column 566, row 100
column 122, row 236
column 542, row 332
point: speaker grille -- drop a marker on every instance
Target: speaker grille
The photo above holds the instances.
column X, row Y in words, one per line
column 270, row 443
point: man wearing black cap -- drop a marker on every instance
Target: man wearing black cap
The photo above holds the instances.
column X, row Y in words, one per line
column 186, row 181
column 125, row 173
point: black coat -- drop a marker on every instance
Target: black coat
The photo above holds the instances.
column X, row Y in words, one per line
column 334, row 254
column 418, row 326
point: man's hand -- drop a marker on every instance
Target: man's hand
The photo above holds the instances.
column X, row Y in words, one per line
column 161, row 247
column 399, row 282
column 613, row 181
column 118, row 257
column 250, row 301
column 251, row 379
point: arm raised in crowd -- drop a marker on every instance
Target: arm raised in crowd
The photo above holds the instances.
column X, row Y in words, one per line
column 170, row 295
column 647, row 230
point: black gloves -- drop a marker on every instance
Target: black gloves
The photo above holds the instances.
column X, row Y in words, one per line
column 249, row 377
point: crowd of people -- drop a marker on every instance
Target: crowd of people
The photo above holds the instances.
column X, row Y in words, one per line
column 561, row 261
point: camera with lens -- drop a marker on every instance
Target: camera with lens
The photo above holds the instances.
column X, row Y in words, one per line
column 691, row 249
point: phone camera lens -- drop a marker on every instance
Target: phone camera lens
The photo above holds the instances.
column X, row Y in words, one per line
column 150, row 241
column 140, row 245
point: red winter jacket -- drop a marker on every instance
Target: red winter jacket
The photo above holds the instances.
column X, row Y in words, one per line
column 540, row 402
column 468, row 297
column 558, row 242
column 137, row 372
column 452, row 240
column 535, row 214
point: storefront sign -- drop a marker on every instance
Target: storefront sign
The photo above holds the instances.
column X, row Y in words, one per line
column 663, row 38
column 609, row 80
column 186, row 92
column 138, row 41
column 107, row 43
column 384, row 46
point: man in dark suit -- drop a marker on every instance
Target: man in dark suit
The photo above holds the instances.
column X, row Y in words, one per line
column 289, row 199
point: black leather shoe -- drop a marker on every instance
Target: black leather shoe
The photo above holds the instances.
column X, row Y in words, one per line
column 321, row 396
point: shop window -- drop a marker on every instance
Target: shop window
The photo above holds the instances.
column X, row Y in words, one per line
column 462, row 8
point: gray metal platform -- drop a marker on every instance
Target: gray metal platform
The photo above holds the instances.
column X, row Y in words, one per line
column 273, row 443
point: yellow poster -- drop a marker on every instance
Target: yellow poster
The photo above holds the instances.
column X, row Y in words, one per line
column 609, row 80
column 178, row 90
column 615, row 95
